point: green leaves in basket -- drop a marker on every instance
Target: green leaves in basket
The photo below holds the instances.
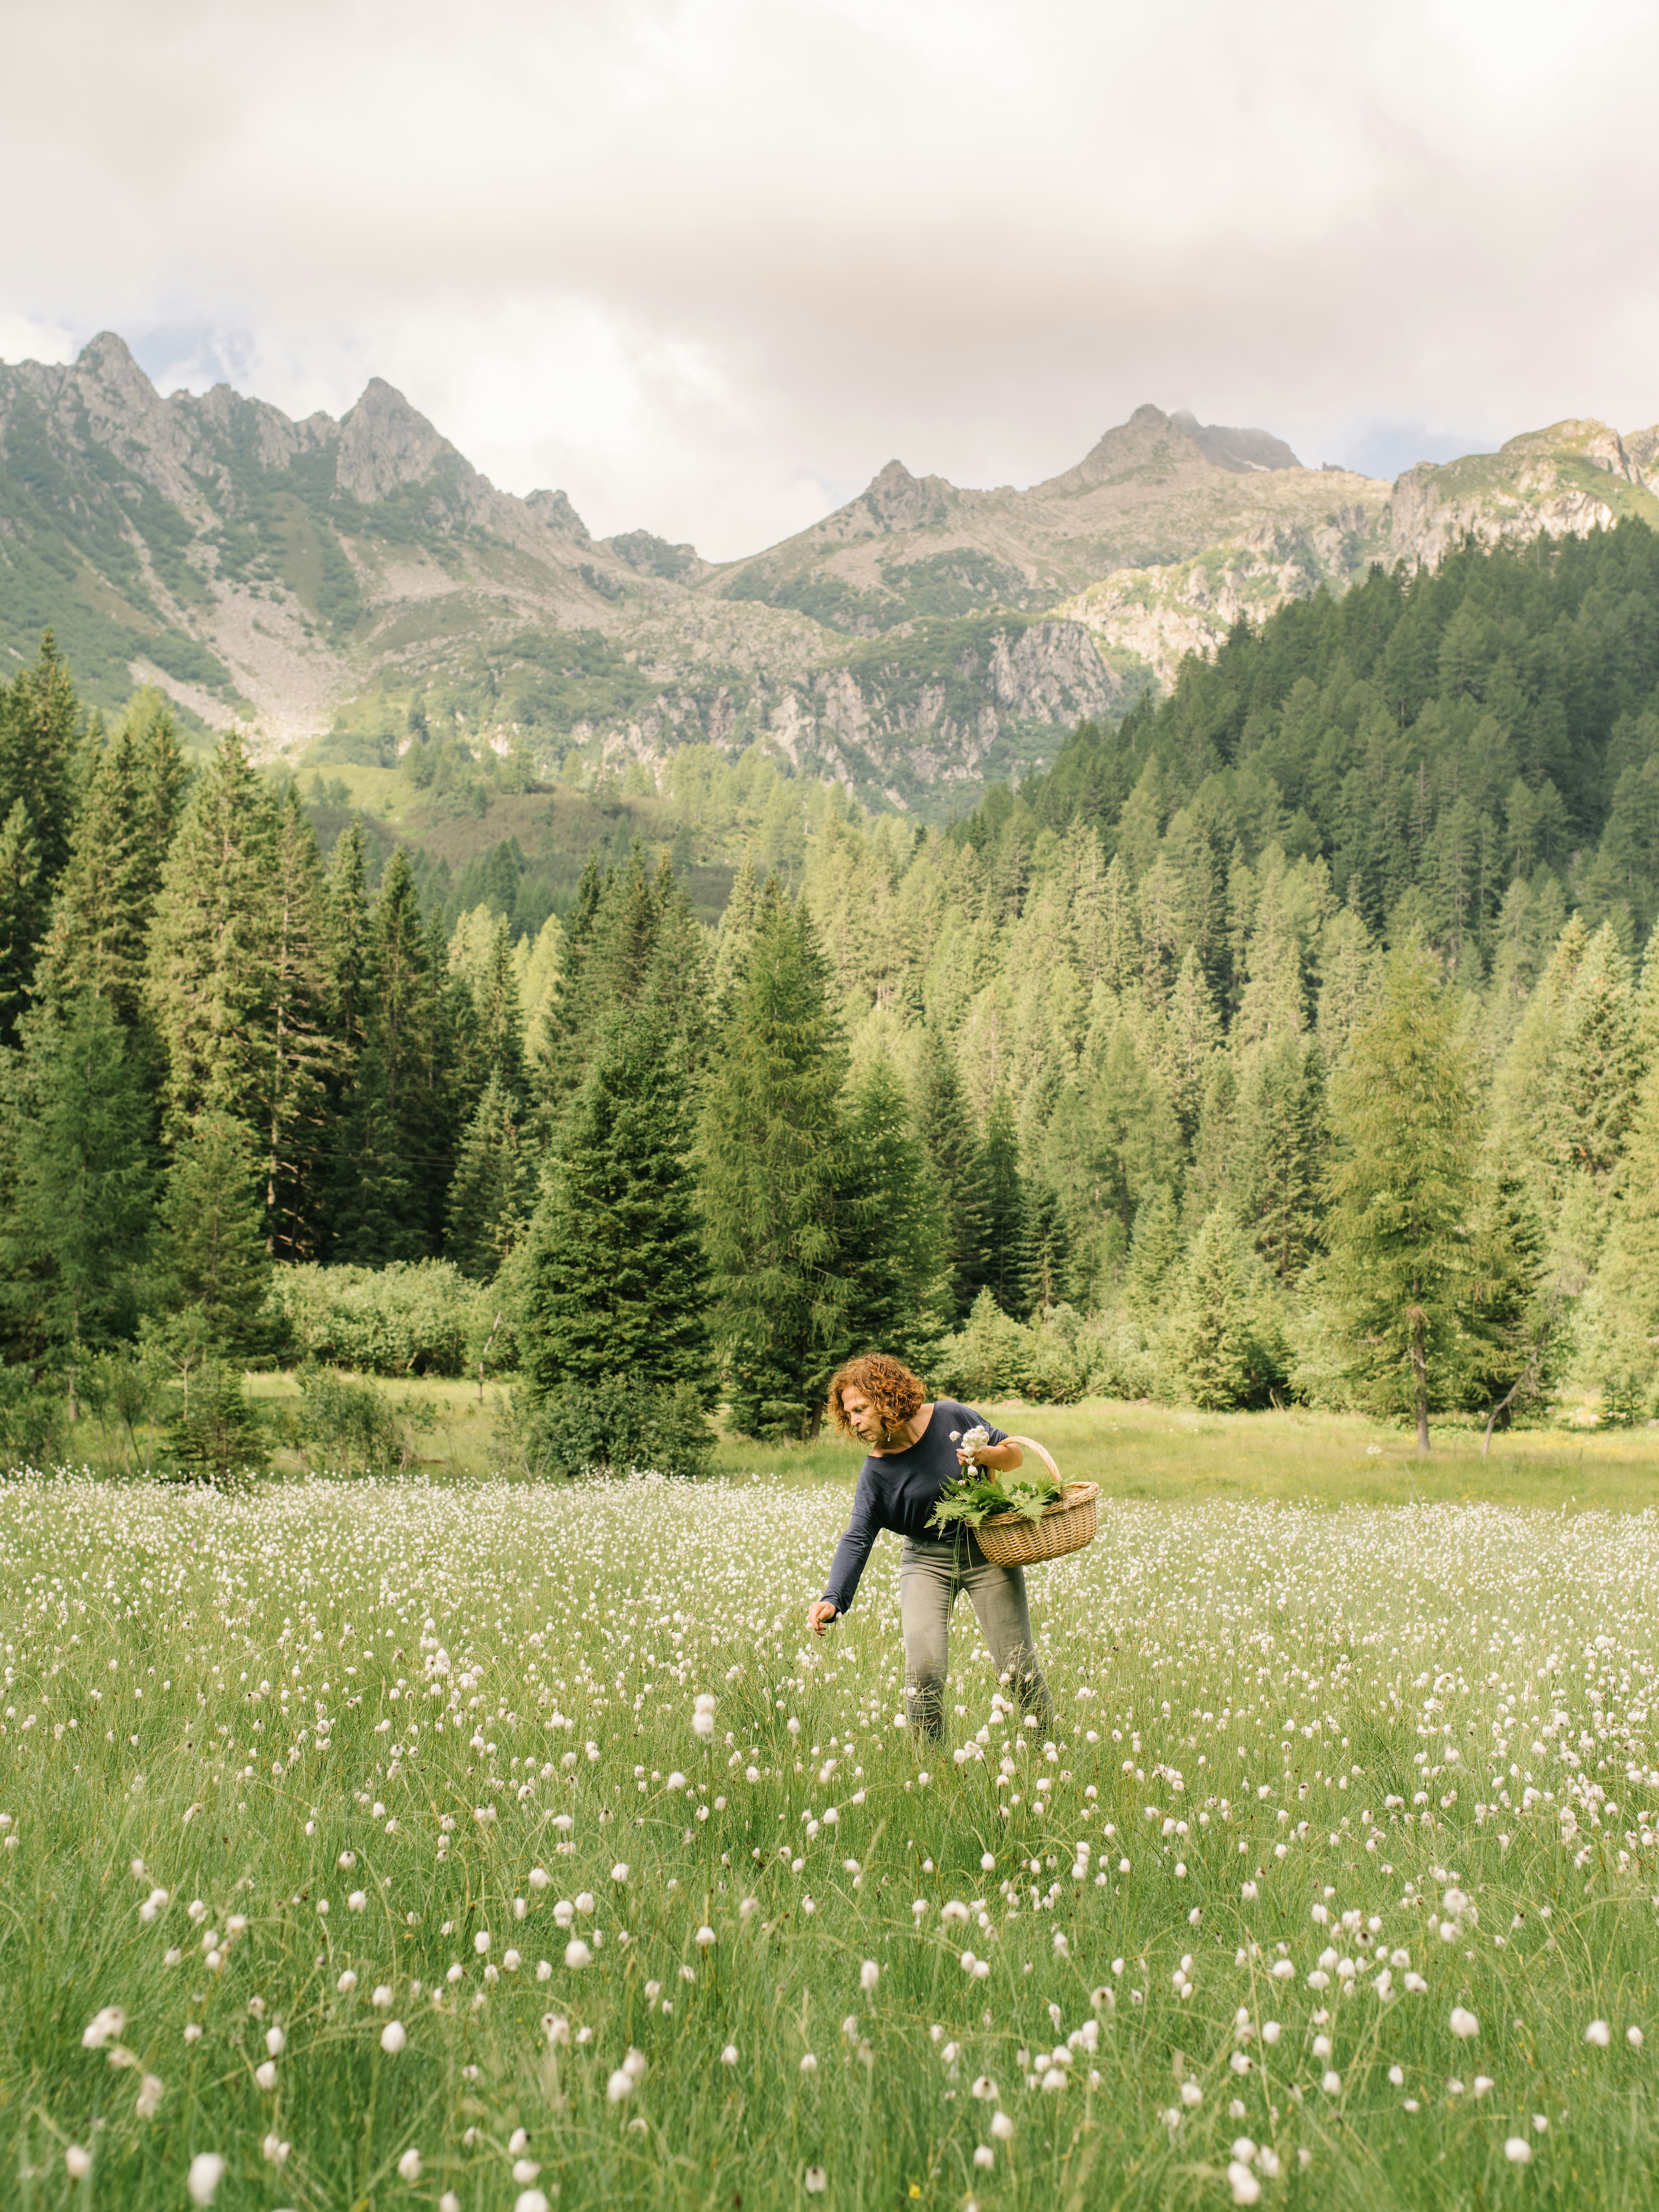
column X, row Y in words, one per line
column 981, row 1492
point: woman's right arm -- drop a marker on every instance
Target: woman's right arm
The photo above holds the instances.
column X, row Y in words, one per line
column 847, row 1565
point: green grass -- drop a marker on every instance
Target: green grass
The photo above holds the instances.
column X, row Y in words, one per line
column 308, row 1693
column 1143, row 1450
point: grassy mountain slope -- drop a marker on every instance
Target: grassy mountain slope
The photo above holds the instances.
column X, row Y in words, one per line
column 358, row 583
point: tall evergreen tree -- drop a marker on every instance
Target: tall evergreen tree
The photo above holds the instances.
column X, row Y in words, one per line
column 40, row 719
column 1000, row 1267
column 614, row 1282
column 1045, row 1249
column 493, row 1191
column 772, row 1139
column 1213, row 1337
column 893, row 1240
column 945, row 1127
column 22, row 907
column 1277, row 1150
column 1400, row 1189
column 213, row 1219
column 74, row 1237
column 302, row 1054
column 208, row 988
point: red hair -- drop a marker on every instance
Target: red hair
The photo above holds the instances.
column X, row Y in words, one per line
column 887, row 1382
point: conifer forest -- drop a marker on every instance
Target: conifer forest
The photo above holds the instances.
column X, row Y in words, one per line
column 1295, row 1040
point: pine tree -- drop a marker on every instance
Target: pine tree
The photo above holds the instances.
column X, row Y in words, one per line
column 397, row 1132
column 493, row 1191
column 75, row 1233
column 213, row 1231
column 946, row 1130
column 614, row 1281
column 1277, row 1152
column 22, row 905
column 1045, row 1250
column 1155, row 1257
column 772, row 1141
column 893, row 1240
column 39, row 716
column 1400, row 1190
column 207, row 987
column 499, row 1034
column 999, row 1179
column 1214, row 1338
column 303, row 1055
column 1513, row 1320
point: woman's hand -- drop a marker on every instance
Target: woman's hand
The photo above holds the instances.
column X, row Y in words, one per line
column 1004, row 1457
column 819, row 1614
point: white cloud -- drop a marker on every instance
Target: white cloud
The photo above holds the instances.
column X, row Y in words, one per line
column 709, row 263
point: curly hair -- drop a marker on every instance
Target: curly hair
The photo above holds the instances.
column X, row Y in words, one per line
column 887, row 1382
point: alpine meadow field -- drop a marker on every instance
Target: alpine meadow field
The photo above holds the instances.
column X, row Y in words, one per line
column 385, row 1845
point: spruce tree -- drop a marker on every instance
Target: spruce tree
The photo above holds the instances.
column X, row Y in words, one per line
column 1213, row 1337
column 207, row 987
column 945, row 1127
column 1045, row 1250
column 893, row 1240
column 1152, row 1273
column 1513, row 1318
column 40, row 719
column 303, row 1055
column 613, row 1277
column 492, row 1190
column 75, row 1234
column 1400, row 1190
column 22, row 905
column 772, row 1141
column 1000, row 1267
column 1277, row 1152
column 213, row 1231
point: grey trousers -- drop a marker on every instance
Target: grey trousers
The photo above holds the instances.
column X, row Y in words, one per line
column 930, row 1575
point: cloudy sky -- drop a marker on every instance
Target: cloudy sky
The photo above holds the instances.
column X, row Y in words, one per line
column 708, row 264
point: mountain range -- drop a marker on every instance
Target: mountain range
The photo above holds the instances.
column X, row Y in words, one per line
column 324, row 581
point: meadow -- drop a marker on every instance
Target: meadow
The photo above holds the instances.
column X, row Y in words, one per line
column 457, row 1843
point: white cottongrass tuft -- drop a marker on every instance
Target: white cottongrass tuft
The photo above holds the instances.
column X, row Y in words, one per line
column 808, row 2065
column 77, row 2162
column 815, row 2180
column 409, row 2166
column 265, row 2075
column 870, row 1974
column 206, row 2170
column 620, row 2086
column 704, row 1937
column 151, row 2090
column 1464, row 2025
column 1599, row 2033
column 577, row 1954
column 621, row 1871
column 1517, row 2150
column 99, row 2029
column 1633, row 2036
column 729, row 2055
column 1243, row 2184
column 985, row 2156
column 393, row 2036
column 528, row 2200
column 1002, row 2127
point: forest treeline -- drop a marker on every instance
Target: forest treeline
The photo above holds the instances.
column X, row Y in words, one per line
column 1295, row 1039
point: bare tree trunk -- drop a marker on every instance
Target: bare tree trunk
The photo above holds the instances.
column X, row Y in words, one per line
column 1524, row 1380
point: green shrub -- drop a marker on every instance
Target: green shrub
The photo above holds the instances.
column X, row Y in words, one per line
column 33, row 1419
column 992, row 1356
column 346, row 1427
column 216, row 1435
column 414, row 1317
column 614, row 1426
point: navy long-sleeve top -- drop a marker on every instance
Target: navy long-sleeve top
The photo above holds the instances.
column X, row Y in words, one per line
column 899, row 1491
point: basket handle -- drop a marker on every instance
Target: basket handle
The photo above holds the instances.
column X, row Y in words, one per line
column 1030, row 1443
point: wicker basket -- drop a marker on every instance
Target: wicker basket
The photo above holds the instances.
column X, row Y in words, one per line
column 1009, row 1540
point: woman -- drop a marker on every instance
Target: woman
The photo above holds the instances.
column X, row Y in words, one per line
column 911, row 1460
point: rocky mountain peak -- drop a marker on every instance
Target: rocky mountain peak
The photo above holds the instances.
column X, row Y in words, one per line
column 385, row 443
column 1238, row 450
column 107, row 362
column 553, row 511
column 898, row 500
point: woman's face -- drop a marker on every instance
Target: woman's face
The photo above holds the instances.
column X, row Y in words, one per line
column 863, row 1416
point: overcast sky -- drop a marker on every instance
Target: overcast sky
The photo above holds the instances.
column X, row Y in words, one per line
column 708, row 264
